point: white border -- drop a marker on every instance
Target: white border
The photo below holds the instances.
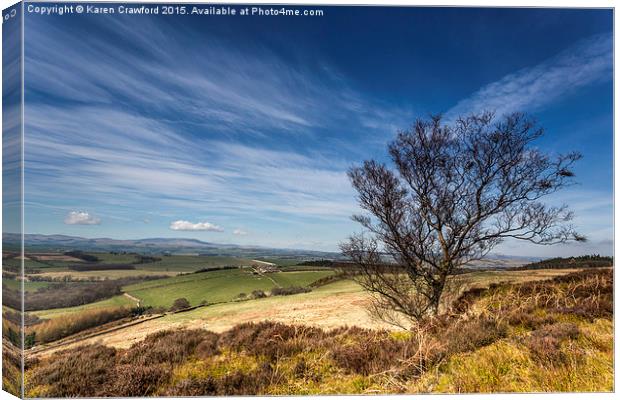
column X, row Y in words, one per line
column 457, row 3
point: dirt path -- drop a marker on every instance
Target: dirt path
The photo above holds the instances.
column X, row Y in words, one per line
column 130, row 297
column 266, row 276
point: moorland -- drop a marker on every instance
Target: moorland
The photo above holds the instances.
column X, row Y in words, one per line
column 135, row 323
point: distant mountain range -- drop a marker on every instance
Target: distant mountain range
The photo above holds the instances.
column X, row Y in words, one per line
column 36, row 242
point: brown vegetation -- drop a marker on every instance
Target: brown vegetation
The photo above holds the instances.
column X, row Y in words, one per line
column 11, row 368
column 287, row 291
column 63, row 326
column 180, row 304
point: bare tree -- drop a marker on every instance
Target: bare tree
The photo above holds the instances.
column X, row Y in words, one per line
column 457, row 192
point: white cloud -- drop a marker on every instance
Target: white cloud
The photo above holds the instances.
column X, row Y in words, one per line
column 586, row 62
column 81, row 218
column 240, row 232
column 181, row 225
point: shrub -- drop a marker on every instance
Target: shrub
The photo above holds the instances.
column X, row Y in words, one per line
column 208, row 347
column 289, row 291
column 80, row 372
column 472, row 334
column 270, row 339
column 528, row 319
column 367, row 352
column 327, row 279
column 136, row 381
column 361, row 358
column 180, row 304
column 545, row 343
column 170, row 346
column 194, row 387
column 258, row 294
column 237, row 383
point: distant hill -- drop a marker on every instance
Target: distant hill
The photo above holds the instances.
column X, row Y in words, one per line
column 36, row 242
column 62, row 243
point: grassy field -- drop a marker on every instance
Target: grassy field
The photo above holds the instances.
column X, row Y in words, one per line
column 38, row 265
column 216, row 286
column 192, row 263
column 116, row 301
column 107, row 274
column 109, row 258
column 168, row 265
column 28, row 286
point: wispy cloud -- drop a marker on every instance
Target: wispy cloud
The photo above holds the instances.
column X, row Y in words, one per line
column 208, row 129
column 240, row 232
column 531, row 88
column 218, row 87
column 142, row 161
column 195, row 226
column 81, row 218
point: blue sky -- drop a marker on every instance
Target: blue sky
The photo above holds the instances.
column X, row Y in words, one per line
column 241, row 129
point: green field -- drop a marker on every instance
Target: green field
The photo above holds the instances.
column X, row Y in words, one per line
column 28, row 286
column 230, row 311
column 180, row 263
column 32, row 264
column 217, row 286
column 109, row 258
column 169, row 265
column 192, row 263
column 104, row 274
column 116, row 301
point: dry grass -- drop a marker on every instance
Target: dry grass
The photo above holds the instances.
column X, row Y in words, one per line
column 66, row 325
column 560, row 338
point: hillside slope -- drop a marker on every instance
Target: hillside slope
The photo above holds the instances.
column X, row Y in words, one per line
column 536, row 336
